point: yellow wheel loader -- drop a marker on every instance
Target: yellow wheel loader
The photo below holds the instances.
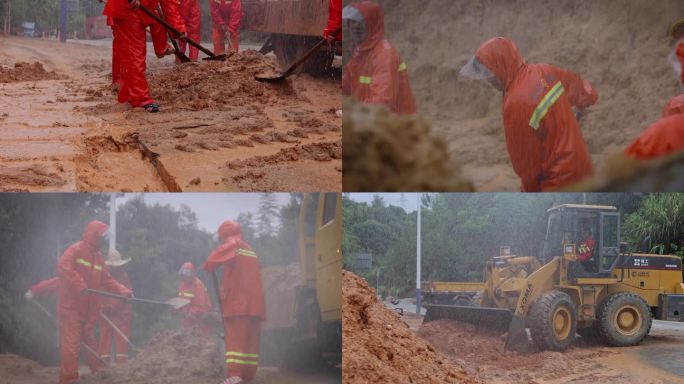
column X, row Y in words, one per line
column 584, row 282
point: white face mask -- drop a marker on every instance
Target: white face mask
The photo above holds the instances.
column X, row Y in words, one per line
column 106, row 235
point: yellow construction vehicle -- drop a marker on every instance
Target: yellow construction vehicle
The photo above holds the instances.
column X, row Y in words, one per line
column 304, row 320
column 451, row 292
column 614, row 294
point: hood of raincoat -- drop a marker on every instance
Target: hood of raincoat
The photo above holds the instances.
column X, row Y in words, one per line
column 229, row 229
column 92, row 234
column 501, row 56
column 375, row 23
column 189, row 267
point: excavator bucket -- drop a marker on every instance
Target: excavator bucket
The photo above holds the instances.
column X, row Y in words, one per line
column 493, row 318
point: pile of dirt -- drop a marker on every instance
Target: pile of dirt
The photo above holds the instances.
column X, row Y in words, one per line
column 23, row 71
column 377, row 347
column 215, row 85
column 481, row 352
column 18, row 370
column 619, row 46
column 33, row 175
column 387, row 152
column 170, row 357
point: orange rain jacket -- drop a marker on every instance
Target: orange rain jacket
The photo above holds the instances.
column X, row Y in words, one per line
column 544, row 140
column 241, row 289
column 375, row 74
column 662, row 138
column 47, row 287
column 334, row 19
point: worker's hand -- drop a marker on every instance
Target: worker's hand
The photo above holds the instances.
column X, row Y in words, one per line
column 135, row 4
column 330, row 39
column 579, row 113
column 183, row 36
column 28, row 296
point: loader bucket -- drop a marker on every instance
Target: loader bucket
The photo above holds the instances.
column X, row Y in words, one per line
column 493, row 318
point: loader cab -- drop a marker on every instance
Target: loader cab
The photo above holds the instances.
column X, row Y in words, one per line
column 593, row 230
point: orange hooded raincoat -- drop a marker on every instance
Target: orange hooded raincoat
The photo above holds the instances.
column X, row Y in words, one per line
column 543, row 137
column 196, row 292
column 242, row 299
column 375, row 74
column 82, row 266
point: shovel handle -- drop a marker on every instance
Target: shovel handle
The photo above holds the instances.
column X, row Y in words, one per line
column 174, row 30
column 214, row 280
column 123, row 336
column 115, row 296
column 309, row 53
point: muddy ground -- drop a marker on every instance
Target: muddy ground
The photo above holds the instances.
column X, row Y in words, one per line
column 170, row 357
column 219, row 129
column 620, row 46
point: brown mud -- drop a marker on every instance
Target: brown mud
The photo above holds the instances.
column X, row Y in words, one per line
column 213, row 113
column 27, row 72
column 377, row 347
column 481, row 352
column 386, row 152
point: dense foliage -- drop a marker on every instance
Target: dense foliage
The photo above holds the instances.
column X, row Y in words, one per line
column 460, row 231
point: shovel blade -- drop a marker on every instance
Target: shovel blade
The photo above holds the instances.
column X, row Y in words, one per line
column 221, row 57
column 178, row 302
column 498, row 319
column 271, row 79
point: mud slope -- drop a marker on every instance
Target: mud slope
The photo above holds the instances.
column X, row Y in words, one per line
column 620, row 46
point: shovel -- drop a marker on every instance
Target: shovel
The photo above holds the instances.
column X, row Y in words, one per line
column 215, row 281
column 296, row 64
column 123, row 336
column 176, row 51
column 176, row 302
column 190, row 41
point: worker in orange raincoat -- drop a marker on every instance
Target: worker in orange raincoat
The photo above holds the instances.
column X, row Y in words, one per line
column 242, row 301
column 80, row 267
column 192, row 15
column 225, row 17
column 375, row 74
column 119, row 312
column 664, row 137
column 130, row 24
column 544, row 139
column 334, row 22
column 192, row 288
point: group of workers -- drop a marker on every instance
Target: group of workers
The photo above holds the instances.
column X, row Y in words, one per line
column 129, row 24
column 542, row 104
column 82, row 267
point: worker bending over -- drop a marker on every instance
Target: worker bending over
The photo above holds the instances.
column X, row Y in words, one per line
column 130, row 24
column 242, row 301
column 225, row 16
column 81, row 267
column 543, row 136
column 375, row 74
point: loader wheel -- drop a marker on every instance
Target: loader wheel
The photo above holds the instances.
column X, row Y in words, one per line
column 624, row 319
column 553, row 321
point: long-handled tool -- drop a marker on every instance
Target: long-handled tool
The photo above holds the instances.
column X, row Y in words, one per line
column 176, row 302
column 299, row 62
column 123, row 335
column 190, row 41
column 176, row 51
column 214, row 280
column 84, row 345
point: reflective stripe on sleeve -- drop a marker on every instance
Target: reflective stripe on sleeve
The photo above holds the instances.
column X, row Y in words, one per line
column 545, row 104
column 246, row 252
column 365, row 80
column 402, row 67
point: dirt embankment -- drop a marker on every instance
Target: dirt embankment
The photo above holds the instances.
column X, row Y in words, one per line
column 386, row 152
column 27, row 72
column 619, row 46
column 378, row 347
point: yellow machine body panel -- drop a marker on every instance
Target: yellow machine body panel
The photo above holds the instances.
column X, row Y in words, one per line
column 328, row 260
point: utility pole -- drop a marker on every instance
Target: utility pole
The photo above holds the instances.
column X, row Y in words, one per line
column 112, row 221
column 63, row 21
column 418, row 208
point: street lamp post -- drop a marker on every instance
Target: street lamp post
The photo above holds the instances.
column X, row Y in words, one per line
column 63, row 21
column 418, row 255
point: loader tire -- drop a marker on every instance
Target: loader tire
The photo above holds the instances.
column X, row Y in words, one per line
column 624, row 319
column 553, row 321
